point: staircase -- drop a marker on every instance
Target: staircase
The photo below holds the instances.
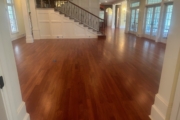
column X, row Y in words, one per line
column 84, row 17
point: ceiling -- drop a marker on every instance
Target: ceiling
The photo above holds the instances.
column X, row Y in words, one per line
column 109, row 2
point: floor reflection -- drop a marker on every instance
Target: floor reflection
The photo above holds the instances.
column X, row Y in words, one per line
column 116, row 78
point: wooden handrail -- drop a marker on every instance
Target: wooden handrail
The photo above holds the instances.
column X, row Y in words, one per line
column 86, row 10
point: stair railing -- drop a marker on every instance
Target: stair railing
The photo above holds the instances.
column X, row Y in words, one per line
column 80, row 15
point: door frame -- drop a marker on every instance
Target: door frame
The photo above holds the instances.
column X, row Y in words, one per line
column 176, row 102
column 14, row 106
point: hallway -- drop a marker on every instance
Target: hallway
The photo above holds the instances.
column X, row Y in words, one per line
column 89, row 79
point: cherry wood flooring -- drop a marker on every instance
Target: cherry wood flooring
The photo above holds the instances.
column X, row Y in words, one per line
column 89, row 79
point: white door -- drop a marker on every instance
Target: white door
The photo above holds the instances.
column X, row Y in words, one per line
column 152, row 21
column 3, row 115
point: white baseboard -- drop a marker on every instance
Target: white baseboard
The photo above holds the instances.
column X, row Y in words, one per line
column 150, row 117
column 27, row 117
column 36, row 34
column 29, row 39
column 22, row 114
column 18, row 37
column 159, row 109
column 68, row 37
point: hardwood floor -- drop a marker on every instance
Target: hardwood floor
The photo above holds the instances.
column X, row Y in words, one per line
column 89, row 79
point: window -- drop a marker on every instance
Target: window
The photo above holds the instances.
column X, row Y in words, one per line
column 153, row 1
column 152, row 20
column 134, row 20
column 135, row 4
column 169, row 10
column 12, row 17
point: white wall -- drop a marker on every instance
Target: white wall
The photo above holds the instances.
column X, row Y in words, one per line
column 20, row 21
column 53, row 25
column 90, row 5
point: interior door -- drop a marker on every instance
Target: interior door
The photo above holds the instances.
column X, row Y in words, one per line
column 3, row 115
column 152, row 21
column 134, row 20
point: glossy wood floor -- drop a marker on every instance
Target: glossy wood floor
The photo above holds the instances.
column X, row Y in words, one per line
column 89, row 79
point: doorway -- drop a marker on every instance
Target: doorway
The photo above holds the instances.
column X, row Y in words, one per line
column 117, row 16
column 152, row 21
column 134, row 20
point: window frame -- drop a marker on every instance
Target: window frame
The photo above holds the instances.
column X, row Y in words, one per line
column 147, row 2
column 134, row 3
column 11, row 4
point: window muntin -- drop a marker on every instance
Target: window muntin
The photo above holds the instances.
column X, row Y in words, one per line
column 12, row 17
column 167, row 20
column 153, row 1
column 135, row 4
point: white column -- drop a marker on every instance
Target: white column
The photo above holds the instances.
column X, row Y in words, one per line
column 29, row 37
column 161, row 110
column 128, row 13
column 36, row 31
column 113, row 15
column 161, row 23
column 15, row 107
column 141, row 20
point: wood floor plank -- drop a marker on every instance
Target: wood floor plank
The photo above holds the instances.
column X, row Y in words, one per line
column 89, row 79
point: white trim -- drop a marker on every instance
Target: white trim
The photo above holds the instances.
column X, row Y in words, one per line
column 159, row 109
column 22, row 115
column 156, row 114
column 18, row 37
column 29, row 39
column 26, row 117
column 176, row 102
